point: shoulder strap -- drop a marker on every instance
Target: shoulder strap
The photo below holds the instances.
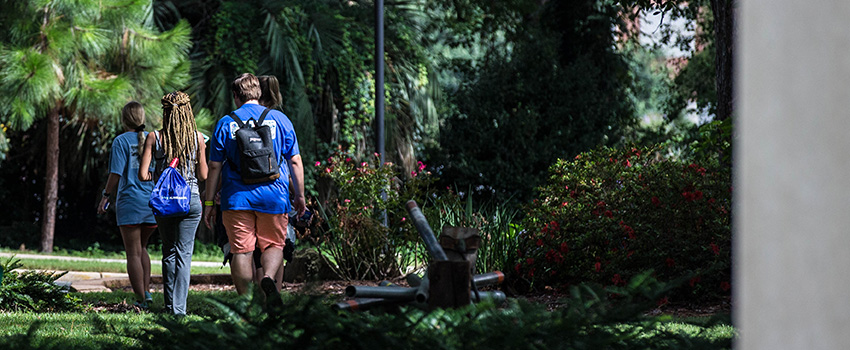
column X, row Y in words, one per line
column 237, row 120
column 263, row 116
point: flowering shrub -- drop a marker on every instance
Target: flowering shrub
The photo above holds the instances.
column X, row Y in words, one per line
column 609, row 214
column 360, row 246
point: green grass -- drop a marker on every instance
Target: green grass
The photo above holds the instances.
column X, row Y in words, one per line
column 97, row 266
column 203, row 252
column 74, row 330
column 96, row 330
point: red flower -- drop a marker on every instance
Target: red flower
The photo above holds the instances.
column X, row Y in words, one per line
column 618, row 280
column 670, row 262
column 656, row 201
column 715, row 249
column 694, row 281
column 529, row 261
column 600, row 204
column 573, row 194
column 531, row 272
column 517, row 267
column 554, row 256
column 697, row 195
column 564, row 248
column 609, row 214
column 711, row 201
column 539, row 242
column 725, row 286
column 597, row 266
column 628, row 163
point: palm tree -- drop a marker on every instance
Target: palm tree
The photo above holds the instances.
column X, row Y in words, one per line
column 75, row 61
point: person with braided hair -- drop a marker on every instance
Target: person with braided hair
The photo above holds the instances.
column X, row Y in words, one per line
column 135, row 219
column 178, row 138
column 255, row 214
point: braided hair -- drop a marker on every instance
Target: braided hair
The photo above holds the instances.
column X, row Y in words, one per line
column 178, row 128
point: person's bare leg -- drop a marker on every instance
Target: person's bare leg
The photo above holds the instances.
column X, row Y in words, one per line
column 241, row 269
column 131, row 235
column 278, row 277
column 272, row 258
column 145, row 236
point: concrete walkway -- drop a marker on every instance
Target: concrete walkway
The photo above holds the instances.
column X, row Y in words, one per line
column 106, row 281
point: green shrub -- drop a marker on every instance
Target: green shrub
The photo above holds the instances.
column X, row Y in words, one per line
column 355, row 239
column 33, row 291
column 609, row 214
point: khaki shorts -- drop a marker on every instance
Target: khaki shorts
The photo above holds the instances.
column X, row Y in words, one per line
column 248, row 230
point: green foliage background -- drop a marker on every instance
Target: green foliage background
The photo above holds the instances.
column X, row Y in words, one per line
column 487, row 94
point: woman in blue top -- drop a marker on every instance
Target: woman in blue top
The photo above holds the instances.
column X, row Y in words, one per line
column 135, row 219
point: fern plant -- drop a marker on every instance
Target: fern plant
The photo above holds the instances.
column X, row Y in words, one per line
column 33, row 290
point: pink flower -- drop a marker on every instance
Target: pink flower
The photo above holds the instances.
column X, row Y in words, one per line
column 403, row 219
column 328, row 170
column 318, row 163
column 363, row 164
column 413, row 173
column 347, row 201
column 347, row 160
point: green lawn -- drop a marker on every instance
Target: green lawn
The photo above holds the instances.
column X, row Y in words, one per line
column 203, row 252
column 97, row 266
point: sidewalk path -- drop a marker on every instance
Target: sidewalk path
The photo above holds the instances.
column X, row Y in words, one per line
column 104, row 281
column 76, row 258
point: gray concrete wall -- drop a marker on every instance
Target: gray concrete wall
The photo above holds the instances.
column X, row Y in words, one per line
column 792, row 175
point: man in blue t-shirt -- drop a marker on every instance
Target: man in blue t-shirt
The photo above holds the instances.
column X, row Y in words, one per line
column 255, row 215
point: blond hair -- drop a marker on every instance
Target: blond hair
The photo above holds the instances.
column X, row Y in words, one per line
column 179, row 135
column 133, row 118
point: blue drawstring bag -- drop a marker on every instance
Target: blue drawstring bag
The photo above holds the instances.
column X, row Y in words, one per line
column 171, row 195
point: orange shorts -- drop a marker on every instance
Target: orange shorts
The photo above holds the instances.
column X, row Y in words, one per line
column 248, row 230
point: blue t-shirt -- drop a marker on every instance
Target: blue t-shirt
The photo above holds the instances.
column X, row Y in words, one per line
column 270, row 197
column 131, row 203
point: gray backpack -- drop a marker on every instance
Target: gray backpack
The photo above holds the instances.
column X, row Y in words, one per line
column 257, row 161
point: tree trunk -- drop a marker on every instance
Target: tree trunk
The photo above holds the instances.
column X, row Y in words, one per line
column 51, row 181
column 724, row 31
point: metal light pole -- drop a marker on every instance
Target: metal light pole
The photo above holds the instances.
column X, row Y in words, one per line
column 379, row 85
